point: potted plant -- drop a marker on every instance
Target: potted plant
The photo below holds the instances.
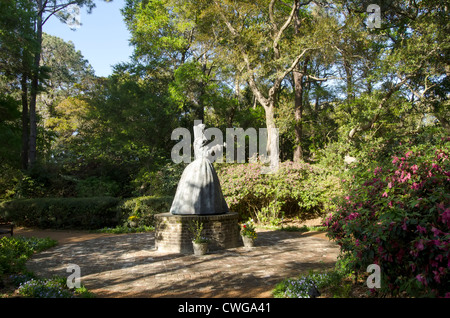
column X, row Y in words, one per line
column 248, row 233
column 199, row 242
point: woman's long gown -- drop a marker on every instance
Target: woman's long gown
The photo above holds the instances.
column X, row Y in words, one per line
column 199, row 190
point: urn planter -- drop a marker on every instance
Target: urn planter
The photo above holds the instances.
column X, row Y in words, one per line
column 248, row 241
column 200, row 248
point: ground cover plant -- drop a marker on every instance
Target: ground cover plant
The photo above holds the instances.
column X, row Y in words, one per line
column 15, row 279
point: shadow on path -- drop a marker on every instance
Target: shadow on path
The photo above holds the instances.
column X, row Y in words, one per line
column 129, row 266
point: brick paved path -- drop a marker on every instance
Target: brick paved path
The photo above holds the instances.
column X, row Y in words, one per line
column 129, row 266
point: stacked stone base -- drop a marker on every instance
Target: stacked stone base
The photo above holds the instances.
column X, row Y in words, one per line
column 172, row 232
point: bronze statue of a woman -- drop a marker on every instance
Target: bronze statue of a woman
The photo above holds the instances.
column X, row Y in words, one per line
column 199, row 190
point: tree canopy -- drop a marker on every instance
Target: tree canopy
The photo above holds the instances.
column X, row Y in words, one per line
column 315, row 70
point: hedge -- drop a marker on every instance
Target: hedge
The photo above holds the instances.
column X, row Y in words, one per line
column 62, row 213
column 83, row 213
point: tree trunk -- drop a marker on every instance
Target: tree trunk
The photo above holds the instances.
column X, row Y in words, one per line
column 298, row 112
column 34, row 89
column 298, row 100
column 25, row 122
column 272, row 146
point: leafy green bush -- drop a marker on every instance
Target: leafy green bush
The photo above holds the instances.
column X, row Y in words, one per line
column 62, row 213
column 296, row 189
column 94, row 186
column 397, row 215
column 143, row 209
column 14, row 252
column 161, row 182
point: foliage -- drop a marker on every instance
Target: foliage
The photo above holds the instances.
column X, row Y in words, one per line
column 48, row 288
column 396, row 215
column 143, row 208
column 162, row 181
column 296, row 189
column 248, row 229
column 121, row 229
column 196, row 229
column 62, row 213
column 14, row 252
column 94, row 187
column 56, row 287
column 303, row 286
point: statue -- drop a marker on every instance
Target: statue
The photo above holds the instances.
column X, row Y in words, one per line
column 199, row 190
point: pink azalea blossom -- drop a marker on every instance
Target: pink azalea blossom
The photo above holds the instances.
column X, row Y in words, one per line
column 421, row 279
column 419, row 245
column 421, row 229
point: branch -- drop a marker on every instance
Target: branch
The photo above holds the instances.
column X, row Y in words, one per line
column 381, row 105
column 56, row 9
column 280, row 78
column 285, row 25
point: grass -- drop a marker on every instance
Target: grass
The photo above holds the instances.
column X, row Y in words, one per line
column 304, row 228
column 122, row 229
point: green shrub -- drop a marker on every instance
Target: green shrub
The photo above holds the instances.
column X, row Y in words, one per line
column 143, row 209
column 62, row 213
column 296, row 190
column 14, row 252
column 161, row 182
column 94, row 187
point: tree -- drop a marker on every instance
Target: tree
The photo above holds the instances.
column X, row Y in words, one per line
column 258, row 37
column 413, row 45
column 165, row 37
column 42, row 11
column 69, row 74
column 17, row 46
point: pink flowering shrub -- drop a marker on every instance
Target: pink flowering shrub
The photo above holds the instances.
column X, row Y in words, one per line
column 297, row 189
column 398, row 216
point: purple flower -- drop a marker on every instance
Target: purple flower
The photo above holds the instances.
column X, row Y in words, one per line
column 421, row 279
column 419, row 245
column 421, row 229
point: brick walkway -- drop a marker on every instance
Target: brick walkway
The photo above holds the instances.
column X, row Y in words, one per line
column 129, row 266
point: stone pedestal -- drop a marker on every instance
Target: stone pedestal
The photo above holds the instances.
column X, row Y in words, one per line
column 172, row 232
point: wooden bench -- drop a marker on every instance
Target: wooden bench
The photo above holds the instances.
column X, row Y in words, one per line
column 7, row 228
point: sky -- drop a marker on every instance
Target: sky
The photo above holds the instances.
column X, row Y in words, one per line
column 102, row 37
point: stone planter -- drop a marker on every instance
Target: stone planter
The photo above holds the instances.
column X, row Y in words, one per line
column 248, row 241
column 133, row 224
column 200, row 248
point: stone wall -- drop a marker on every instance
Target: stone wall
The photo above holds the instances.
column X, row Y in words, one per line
column 172, row 232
